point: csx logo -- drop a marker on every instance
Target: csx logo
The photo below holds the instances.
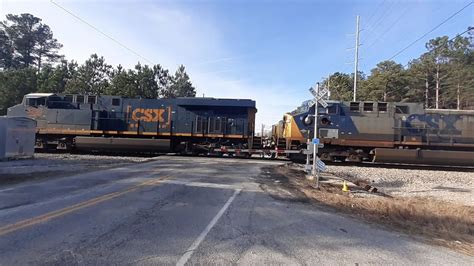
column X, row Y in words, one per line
column 148, row 115
column 444, row 124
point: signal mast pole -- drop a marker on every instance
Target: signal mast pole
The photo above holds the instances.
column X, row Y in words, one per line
column 315, row 146
column 356, row 58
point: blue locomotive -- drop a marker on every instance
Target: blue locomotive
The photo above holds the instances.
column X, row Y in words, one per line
column 381, row 131
column 189, row 125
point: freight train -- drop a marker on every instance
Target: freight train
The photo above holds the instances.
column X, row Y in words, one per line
column 381, row 131
column 111, row 123
column 348, row 131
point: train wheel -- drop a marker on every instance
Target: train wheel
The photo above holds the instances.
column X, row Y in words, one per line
column 40, row 145
column 326, row 157
column 353, row 157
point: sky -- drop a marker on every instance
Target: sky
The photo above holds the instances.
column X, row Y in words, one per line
column 268, row 51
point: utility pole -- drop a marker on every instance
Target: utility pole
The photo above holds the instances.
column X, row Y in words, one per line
column 356, row 57
column 437, row 86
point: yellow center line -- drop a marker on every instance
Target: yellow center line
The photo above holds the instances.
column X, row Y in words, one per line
column 54, row 214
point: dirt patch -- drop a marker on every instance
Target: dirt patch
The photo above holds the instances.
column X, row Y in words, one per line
column 440, row 222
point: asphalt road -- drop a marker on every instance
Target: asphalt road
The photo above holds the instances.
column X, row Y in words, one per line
column 181, row 210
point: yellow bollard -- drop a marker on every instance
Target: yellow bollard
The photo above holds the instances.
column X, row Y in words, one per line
column 345, row 188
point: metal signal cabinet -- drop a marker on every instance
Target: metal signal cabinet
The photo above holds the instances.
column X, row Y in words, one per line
column 17, row 137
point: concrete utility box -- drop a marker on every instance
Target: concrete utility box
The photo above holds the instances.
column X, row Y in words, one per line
column 17, row 137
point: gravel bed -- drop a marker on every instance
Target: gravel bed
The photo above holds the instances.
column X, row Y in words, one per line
column 451, row 186
column 44, row 162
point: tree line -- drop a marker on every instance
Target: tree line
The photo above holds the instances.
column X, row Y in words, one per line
column 442, row 77
column 30, row 62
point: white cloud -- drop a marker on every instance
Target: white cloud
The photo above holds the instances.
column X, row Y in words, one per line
column 163, row 33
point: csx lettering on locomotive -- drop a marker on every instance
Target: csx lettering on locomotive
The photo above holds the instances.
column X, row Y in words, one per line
column 148, row 115
column 443, row 124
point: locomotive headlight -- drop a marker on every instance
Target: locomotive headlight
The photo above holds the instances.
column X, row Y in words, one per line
column 308, row 120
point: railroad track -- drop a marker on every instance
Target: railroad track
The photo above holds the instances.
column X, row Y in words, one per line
column 407, row 166
column 338, row 163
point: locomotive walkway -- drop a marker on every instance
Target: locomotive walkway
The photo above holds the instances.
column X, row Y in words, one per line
column 179, row 210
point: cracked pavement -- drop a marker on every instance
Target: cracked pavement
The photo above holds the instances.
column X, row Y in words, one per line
column 116, row 216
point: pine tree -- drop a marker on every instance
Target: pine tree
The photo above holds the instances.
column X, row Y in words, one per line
column 181, row 85
column 27, row 41
column 92, row 77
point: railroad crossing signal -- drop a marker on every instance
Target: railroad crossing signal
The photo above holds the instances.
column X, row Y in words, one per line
column 320, row 96
column 323, row 103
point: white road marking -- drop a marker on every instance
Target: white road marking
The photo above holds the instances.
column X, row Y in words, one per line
column 189, row 252
column 208, row 185
column 200, row 184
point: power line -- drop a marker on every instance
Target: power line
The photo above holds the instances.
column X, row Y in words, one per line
column 378, row 22
column 433, row 29
column 383, row 33
column 375, row 11
column 449, row 41
column 379, row 36
column 101, row 32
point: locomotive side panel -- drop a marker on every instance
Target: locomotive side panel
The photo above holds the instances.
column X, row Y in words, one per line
column 365, row 121
column 65, row 120
column 450, row 127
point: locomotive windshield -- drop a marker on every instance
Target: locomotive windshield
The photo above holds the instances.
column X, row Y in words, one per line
column 36, row 101
column 52, row 101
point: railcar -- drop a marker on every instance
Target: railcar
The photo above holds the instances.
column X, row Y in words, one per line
column 92, row 122
column 381, row 131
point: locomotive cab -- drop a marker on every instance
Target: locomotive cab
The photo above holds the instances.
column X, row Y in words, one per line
column 49, row 100
column 34, row 101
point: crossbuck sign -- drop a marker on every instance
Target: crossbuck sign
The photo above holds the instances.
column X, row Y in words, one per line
column 320, row 97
